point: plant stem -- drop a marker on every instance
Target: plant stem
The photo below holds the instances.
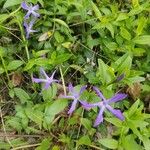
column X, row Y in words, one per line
column 3, row 63
column 63, row 81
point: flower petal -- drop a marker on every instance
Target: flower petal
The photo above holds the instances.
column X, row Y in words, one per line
column 24, row 6
column 87, row 105
column 82, row 89
column 70, row 88
column 36, row 80
column 99, row 118
column 99, row 93
column 43, row 73
column 47, row 84
column 27, row 15
column 36, row 7
column 115, row 112
column 52, row 76
column 73, row 106
column 35, row 14
column 116, row 98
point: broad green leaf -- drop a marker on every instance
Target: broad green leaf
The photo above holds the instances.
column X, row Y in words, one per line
column 125, row 34
column 45, row 145
column 50, row 93
column 114, row 121
column 78, row 68
column 111, row 29
column 146, row 142
column 10, row 3
column 15, row 123
column 86, row 123
column 84, row 140
column 138, row 51
column 122, row 16
column 143, row 39
column 123, row 64
column 56, row 107
column 135, row 3
column 104, row 72
column 59, row 59
column 141, row 25
column 40, row 53
column 96, row 10
column 4, row 145
column 18, row 142
column 29, row 65
column 59, row 38
column 109, row 143
column 13, row 65
column 129, row 143
column 22, row 95
column 35, row 115
column 133, row 108
column 61, row 22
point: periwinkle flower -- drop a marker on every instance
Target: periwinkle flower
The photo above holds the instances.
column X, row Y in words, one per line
column 75, row 96
column 28, row 28
column 105, row 104
column 48, row 80
column 31, row 10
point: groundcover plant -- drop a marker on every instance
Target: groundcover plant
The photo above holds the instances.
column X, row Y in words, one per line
column 75, row 74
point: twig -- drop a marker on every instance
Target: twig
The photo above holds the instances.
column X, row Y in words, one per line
column 5, row 133
column 26, row 146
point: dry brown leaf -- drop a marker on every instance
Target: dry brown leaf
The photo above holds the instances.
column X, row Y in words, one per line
column 16, row 78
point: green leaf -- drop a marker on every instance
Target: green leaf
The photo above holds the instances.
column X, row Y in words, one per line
column 22, row 95
column 109, row 143
column 35, row 115
column 141, row 25
column 86, row 123
column 10, row 3
column 59, row 59
column 123, row 64
column 96, row 10
column 122, row 16
column 111, row 29
column 78, row 68
column 146, row 142
column 4, row 145
column 61, row 22
column 129, row 143
column 84, row 140
column 50, row 93
column 133, row 108
column 114, row 121
column 13, row 65
column 45, row 145
column 144, row 39
column 56, row 107
column 138, row 51
column 59, row 38
column 135, row 3
column 125, row 34
column 104, row 72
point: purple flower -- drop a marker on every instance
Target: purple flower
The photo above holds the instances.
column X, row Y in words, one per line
column 105, row 104
column 75, row 96
column 48, row 80
column 28, row 28
column 31, row 10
